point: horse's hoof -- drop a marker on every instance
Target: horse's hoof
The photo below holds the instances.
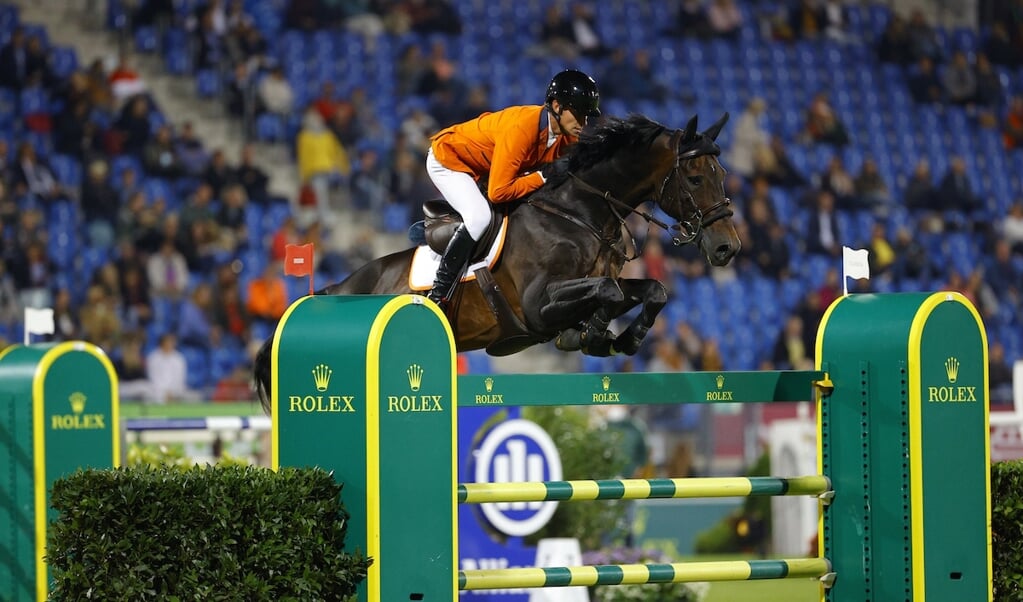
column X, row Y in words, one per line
column 626, row 345
column 569, row 340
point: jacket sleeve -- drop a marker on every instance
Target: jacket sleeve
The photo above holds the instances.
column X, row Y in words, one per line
column 510, row 153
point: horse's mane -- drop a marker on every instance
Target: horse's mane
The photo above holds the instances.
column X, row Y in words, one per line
column 610, row 135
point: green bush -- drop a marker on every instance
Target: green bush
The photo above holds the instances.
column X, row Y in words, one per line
column 214, row 533
column 748, row 529
column 1007, row 529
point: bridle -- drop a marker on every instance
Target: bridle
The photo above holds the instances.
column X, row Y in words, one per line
column 685, row 231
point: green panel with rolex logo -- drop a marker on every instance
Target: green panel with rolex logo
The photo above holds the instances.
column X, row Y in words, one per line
column 910, row 513
column 60, row 413
column 353, row 375
column 417, row 475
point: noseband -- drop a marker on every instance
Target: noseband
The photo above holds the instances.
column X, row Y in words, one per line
column 689, row 227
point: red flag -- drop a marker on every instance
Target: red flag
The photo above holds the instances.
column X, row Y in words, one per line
column 298, row 261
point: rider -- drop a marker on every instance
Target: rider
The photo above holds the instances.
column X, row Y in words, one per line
column 508, row 146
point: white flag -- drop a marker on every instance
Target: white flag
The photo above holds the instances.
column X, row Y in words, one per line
column 38, row 321
column 854, row 265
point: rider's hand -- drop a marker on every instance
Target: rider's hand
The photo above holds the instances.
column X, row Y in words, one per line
column 556, row 170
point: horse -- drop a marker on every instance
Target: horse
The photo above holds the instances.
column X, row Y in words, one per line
column 565, row 244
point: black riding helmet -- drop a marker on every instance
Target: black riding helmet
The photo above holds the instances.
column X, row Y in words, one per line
column 575, row 90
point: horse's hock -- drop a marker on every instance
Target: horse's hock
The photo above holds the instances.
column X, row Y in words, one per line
column 365, row 386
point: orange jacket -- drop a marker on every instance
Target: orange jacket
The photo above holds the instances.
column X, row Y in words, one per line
column 506, row 144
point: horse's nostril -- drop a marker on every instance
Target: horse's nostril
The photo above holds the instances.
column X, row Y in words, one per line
column 723, row 251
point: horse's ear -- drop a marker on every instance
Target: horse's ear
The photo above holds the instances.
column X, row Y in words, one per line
column 690, row 132
column 713, row 131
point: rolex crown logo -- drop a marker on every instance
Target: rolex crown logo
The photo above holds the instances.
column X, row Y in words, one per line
column 605, row 382
column 321, row 376
column 952, row 369
column 415, row 376
column 488, row 382
column 77, row 400
column 720, row 380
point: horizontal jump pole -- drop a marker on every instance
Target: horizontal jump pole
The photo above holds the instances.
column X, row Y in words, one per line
column 636, row 574
column 640, row 388
column 640, row 489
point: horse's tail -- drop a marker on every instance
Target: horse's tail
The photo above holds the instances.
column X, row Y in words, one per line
column 261, row 374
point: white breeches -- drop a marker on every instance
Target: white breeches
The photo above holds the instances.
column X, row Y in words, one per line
column 462, row 193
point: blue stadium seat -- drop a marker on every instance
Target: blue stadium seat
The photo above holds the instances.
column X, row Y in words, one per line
column 63, row 61
column 207, row 83
column 270, row 128
column 67, row 170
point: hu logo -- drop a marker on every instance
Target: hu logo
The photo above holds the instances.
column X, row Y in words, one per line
column 77, row 400
column 321, row 376
column 606, row 383
column 488, row 382
column 720, row 381
column 415, row 376
column 952, row 369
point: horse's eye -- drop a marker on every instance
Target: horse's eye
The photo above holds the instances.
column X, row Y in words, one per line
column 694, row 181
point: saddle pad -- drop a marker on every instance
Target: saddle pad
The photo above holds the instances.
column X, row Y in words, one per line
column 425, row 262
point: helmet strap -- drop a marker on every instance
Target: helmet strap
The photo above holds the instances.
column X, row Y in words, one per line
column 557, row 117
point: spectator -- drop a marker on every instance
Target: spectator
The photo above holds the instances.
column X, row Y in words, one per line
column 267, row 295
column 999, row 374
column 920, row 190
column 1012, row 128
column 286, row 234
column 823, row 236
column 955, row 192
column 584, row 32
column 441, row 73
column 167, row 369
column 923, row 40
column 632, row 81
column 556, row 36
column 275, row 94
column 959, row 81
column 432, row 16
column 911, row 258
column 725, row 19
column 217, row 174
column 132, row 382
column 133, row 126
column 33, row 273
column 839, row 183
column 100, row 204
column 135, row 301
column 1012, row 227
column 160, row 157
column 691, row 20
column 125, row 81
column 195, row 319
column 790, row 351
column 14, row 61
column 74, row 133
column 989, row 85
column 710, row 356
column 210, row 48
column 822, row 124
column 411, row 67
column 882, row 254
column 769, row 252
column 66, row 326
column 192, row 157
column 834, row 21
column 773, row 162
column 749, row 137
column 924, row 84
column 370, row 183
column 871, row 190
column 10, row 303
column 322, row 161
column 98, row 317
column 806, row 20
column 894, row 45
column 229, row 312
column 32, row 176
column 1000, row 49
column 239, row 92
column 167, row 271
column 232, row 225
column 1002, row 273
column 252, row 177
column 417, row 128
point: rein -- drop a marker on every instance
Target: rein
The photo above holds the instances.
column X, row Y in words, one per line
column 684, row 232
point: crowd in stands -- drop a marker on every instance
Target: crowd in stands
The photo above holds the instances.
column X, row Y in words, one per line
column 150, row 244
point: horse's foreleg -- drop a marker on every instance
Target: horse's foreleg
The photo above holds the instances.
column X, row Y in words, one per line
column 583, row 309
column 653, row 296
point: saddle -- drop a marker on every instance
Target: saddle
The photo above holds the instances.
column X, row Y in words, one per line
column 441, row 221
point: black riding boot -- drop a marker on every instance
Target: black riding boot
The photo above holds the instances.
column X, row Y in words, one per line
column 455, row 259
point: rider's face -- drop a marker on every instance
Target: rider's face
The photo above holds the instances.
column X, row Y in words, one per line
column 569, row 123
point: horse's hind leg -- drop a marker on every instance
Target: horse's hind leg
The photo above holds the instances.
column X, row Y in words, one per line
column 653, row 296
